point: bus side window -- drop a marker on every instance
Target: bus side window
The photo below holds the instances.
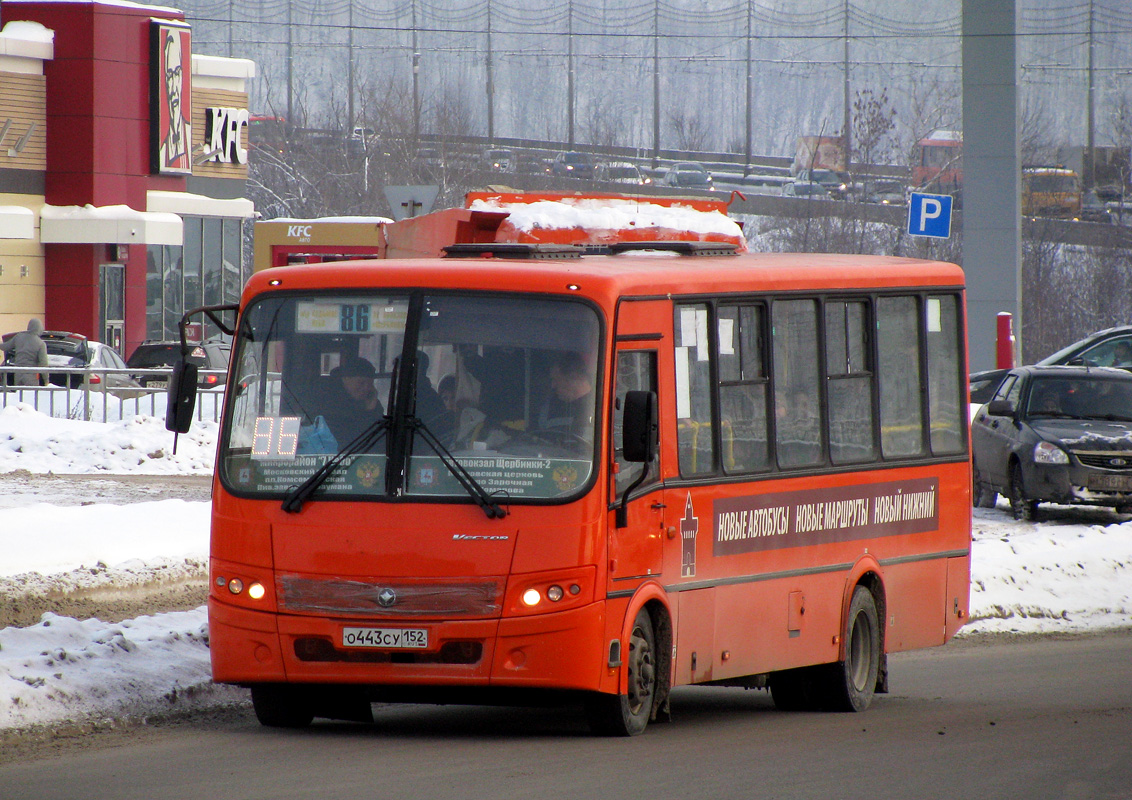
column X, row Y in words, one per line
column 898, row 346
column 946, row 399
column 849, row 381
column 797, row 392
column 636, row 371
column 693, row 390
column 743, row 385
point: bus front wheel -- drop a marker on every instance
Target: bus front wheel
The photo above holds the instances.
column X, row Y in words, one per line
column 281, row 707
column 628, row 714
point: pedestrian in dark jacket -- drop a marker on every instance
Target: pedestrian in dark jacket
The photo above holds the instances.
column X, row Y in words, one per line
column 26, row 349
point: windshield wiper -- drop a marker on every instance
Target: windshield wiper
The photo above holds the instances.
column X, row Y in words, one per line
column 293, row 502
column 470, row 484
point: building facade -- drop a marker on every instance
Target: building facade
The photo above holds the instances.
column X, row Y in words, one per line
column 122, row 174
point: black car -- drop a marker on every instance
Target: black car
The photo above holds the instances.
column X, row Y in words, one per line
column 211, row 358
column 1055, row 434
column 573, row 165
column 1111, row 347
column 689, row 175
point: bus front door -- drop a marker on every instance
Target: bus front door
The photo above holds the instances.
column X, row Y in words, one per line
column 635, row 549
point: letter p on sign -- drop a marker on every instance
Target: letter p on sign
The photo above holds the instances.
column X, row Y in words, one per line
column 929, row 215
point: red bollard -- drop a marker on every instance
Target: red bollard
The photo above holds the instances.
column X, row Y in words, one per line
column 1004, row 344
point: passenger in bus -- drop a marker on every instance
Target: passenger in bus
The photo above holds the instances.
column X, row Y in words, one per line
column 569, row 406
column 360, row 404
column 447, row 391
column 430, row 407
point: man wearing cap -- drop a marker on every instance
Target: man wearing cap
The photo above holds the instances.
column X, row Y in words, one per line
column 361, row 406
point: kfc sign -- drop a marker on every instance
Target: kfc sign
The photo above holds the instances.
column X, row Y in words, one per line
column 224, row 132
column 170, row 97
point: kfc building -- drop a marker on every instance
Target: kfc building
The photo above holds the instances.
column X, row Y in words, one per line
column 123, row 162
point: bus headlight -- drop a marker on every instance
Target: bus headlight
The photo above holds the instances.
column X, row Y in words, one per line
column 256, row 591
column 235, row 586
column 549, row 592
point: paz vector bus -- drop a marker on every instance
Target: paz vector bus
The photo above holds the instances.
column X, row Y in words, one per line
column 527, row 474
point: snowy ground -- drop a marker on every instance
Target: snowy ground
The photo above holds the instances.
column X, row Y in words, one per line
column 1072, row 573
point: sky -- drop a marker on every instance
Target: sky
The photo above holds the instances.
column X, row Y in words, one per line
column 1055, row 576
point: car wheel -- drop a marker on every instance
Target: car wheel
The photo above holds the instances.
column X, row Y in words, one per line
column 1021, row 507
column 982, row 496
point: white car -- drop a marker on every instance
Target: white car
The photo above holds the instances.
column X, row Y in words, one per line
column 621, row 172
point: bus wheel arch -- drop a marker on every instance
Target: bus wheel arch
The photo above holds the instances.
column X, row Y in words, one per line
column 645, row 675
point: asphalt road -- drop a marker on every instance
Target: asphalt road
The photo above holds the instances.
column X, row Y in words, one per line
column 1028, row 718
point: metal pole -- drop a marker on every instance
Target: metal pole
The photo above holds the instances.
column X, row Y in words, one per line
column 416, row 80
column 656, row 82
column 1090, row 119
column 847, row 123
column 290, row 56
column 747, row 147
column 350, row 73
column 490, row 87
column 570, row 74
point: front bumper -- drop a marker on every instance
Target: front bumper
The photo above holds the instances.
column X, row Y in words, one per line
column 562, row 650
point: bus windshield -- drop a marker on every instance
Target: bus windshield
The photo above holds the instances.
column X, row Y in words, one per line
column 415, row 387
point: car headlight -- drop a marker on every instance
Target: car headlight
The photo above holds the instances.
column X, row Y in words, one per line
column 1046, row 453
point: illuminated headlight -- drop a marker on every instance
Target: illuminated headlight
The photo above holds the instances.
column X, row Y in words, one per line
column 1046, row 453
column 256, row 591
column 235, row 586
column 531, row 597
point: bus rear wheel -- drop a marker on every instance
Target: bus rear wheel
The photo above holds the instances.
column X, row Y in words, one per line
column 853, row 681
column 281, row 706
column 628, row 714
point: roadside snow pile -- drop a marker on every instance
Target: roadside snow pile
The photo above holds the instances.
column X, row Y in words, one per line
column 64, row 669
column 1041, row 578
column 36, row 442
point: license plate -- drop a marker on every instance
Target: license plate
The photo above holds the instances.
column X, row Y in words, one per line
column 386, row 638
column 1111, row 483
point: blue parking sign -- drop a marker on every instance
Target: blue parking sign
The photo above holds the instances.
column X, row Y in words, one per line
column 929, row 215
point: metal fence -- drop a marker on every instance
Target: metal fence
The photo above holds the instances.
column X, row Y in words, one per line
column 102, row 394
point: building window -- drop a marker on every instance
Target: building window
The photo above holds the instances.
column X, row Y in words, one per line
column 208, row 269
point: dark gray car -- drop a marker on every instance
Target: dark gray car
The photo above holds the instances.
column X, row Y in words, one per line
column 1055, row 434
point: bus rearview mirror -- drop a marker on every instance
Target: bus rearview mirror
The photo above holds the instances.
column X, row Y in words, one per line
column 182, row 397
column 640, row 427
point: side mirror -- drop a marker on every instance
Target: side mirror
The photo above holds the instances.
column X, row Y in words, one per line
column 640, row 429
column 182, row 397
column 1000, row 408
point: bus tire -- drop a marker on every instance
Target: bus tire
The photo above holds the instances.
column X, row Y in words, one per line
column 628, row 714
column 853, row 681
column 281, row 707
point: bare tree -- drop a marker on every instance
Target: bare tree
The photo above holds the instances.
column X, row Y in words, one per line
column 874, row 121
column 691, row 130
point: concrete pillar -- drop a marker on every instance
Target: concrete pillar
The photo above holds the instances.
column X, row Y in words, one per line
column 992, row 213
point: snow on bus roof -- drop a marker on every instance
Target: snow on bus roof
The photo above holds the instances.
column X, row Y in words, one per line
column 611, row 214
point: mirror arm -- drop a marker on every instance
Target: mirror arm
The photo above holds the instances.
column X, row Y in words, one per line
column 622, row 518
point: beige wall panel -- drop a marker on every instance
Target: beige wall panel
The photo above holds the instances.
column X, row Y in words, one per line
column 217, row 98
column 23, row 100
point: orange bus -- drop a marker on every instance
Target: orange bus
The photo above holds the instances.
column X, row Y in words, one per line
column 939, row 163
column 522, row 474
